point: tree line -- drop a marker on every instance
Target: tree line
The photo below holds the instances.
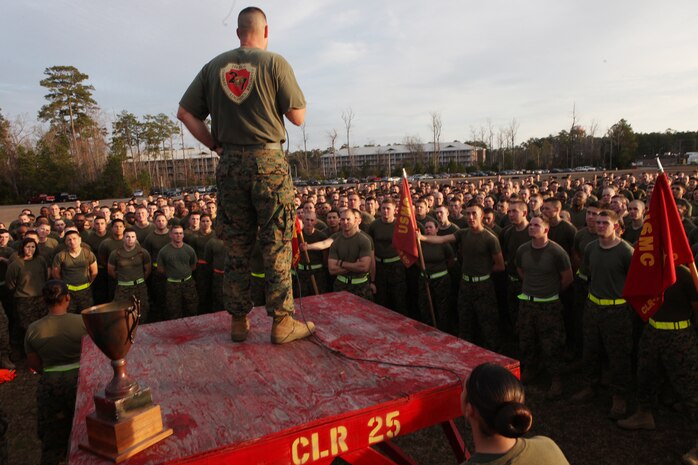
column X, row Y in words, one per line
column 70, row 149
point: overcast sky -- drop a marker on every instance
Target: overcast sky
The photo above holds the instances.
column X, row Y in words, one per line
column 392, row 62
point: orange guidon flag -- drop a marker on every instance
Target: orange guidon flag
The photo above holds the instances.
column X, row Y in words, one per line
column 405, row 232
column 662, row 245
column 295, row 248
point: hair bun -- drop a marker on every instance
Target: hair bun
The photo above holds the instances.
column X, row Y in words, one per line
column 513, row 419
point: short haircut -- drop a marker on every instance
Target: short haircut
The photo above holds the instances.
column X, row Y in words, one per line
column 610, row 214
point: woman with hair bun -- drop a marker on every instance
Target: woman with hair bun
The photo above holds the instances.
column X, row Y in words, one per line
column 493, row 403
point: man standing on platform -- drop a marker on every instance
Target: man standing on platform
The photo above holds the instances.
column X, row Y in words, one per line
column 247, row 91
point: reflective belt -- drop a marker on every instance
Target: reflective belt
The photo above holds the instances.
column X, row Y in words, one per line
column 62, row 368
column 388, row 260
column 258, row 275
column 131, row 283
column 582, row 276
column 671, row 325
column 303, row 267
column 606, row 302
column 530, row 298
column 349, row 280
column 437, row 275
column 172, row 280
column 475, row 279
column 155, row 264
column 81, row 287
column 514, row 279
column 218, row 271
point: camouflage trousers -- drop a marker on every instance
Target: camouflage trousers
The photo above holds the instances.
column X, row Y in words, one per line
column 4, row 333
column 440, row 290
column 362, row 290
column 670, row 352
column 255, row 204
column 478, row 314
column 541, row 329
column 303, row 286
column 513, row 291
column 55, row 398
column 608, row 329
column 126, row 293
column 391, row 286
column 29, row 309
column 181, row 300
column 80, row 300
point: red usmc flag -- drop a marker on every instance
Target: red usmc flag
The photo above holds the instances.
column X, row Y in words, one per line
column 296, row 250
column 662, row 245
column 405, row 233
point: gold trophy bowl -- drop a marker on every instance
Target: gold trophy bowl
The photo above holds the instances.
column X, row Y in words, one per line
column 125, row 420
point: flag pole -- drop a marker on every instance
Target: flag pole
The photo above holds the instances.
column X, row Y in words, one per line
column 422, row 265
column 692, row 265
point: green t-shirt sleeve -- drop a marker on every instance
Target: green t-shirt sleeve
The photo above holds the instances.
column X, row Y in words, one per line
column 289, row 95
column 113, row 259
column 366, row 247
column 194, row 99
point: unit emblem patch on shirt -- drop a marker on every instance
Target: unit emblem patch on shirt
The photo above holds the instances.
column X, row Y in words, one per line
column 236, row 80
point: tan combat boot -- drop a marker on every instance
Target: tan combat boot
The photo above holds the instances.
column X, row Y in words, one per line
column 6, row 363
column 286, row 329
column 641, row 419
column 618, row 408
column 239, row 328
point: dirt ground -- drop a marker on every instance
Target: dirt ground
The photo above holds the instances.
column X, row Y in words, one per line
column 582, row 431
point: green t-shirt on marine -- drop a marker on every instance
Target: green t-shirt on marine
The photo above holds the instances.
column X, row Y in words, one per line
column 56, row 350
column 75, row 270
column 246, row 91
column 177, row 262
column 542, row 268
column 351, row 249
column 477, row 250
column 129, row 263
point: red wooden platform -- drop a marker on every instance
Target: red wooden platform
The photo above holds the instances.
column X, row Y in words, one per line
column 300, row 403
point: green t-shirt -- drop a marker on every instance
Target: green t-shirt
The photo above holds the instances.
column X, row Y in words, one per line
column 542, row 268
column 216, row 253
column 106, row 248
column 563, row 233
column 56, row 339
column 316, row 256
column 382, row 235
column 154, row 242
column 142, row 233
column 582, row 239
column 178, row 262
column 246, row 91
column 511, row 240
column 538, row 450
column 94, row 241
column 477, row 250
column 75, row 270
column 8, row 253
column 26, row 278
column 200, row 242
column 436, row 256
column 48, row 249
column 607, row 269
column 351, row 249
column 129, row 263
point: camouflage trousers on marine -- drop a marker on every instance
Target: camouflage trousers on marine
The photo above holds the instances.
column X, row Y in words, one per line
column 513, row 291
column 4, row 333
column 255, row 204
column 80, row 300
column 440, row 289
column 181, row 300
column 55, row 399
column 673, row 353
column 391, row 286
column 362, row 290
column 478, row 314
column 608, row 329
column 303, row 286
column 29, row 309
column 541, row 330
column 126, row 293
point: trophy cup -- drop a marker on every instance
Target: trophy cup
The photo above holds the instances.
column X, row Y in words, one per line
column 125, row 420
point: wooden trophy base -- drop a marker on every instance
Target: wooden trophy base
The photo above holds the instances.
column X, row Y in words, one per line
column 121, row 439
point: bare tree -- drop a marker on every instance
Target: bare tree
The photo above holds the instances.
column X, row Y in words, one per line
column 436, row 137
column 348, row 118
column 511, row 132
column 573, row 132
column 333, row 142
column 304, row 157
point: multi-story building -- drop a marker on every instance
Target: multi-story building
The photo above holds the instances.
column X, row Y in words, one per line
column 389, row 157
column 176, row 168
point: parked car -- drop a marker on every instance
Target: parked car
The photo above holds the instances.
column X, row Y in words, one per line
column 138, row 193
column 42, row 198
